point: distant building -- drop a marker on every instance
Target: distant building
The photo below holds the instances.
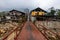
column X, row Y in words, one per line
column 37, row 13
column 15, row 14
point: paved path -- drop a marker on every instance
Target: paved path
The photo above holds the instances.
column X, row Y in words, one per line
column 30, row 32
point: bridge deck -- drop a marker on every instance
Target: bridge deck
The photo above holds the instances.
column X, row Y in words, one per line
column 30, row 32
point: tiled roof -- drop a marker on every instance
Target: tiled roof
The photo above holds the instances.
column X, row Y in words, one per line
column 39, row 9
column 16, row 11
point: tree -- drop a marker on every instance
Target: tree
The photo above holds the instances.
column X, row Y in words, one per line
column 52, row 11
column 58, row 13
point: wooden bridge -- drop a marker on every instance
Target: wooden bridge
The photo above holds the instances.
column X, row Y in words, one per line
column 27, row 31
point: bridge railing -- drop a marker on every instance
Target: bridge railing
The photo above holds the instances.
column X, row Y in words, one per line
column 12, row 35
column 47, row 32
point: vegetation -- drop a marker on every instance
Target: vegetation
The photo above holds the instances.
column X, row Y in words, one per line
column 2, row 13
column 52, row 11
column 58, row 13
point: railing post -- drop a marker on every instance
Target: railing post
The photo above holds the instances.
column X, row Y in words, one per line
column 15, row 34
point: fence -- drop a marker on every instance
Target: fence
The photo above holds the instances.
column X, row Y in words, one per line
column 46, row 26
column 12, row 35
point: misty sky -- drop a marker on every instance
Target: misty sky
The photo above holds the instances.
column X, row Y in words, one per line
column 31, row 4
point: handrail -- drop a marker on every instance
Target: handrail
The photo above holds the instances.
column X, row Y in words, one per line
column 45, row 29
column 41, row 32
column 20, row 31
column 51, row 32
column 16, row 29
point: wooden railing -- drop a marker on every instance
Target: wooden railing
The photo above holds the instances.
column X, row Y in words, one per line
column 40, row 31
column 50, row 35
column 12, row 35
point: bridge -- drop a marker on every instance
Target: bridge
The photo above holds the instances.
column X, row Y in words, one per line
column 28, row 31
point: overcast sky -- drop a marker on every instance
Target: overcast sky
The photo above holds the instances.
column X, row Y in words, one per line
column 31, row 4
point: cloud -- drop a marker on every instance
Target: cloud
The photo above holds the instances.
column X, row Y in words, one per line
column 45, row 4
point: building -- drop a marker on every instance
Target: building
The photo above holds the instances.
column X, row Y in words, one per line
column 16, row 15
column 13, row 15
column 37, row 13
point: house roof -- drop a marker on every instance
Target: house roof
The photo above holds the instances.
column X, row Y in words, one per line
column 39, row 9
column 17, row 11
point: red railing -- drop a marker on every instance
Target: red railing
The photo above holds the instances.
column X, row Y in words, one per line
column 45, row 30
column 41, row 32
column 12, row 35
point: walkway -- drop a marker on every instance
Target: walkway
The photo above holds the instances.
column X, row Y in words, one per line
column 30, row 32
